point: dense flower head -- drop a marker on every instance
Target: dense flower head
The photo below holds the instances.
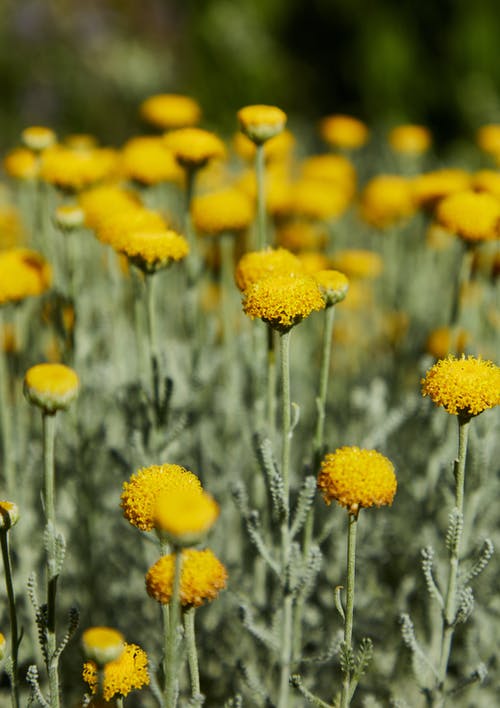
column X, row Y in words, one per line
column 488, row 138
column 23, row 273
column 357, row 478
column 333, row 285
column 282, row 301
column 102, row 644
column 9, row 514
column 141, row 492
column 343, row 131
column 203, row 576
column 487, row 181
column 410, row 139
column 276, row 149
column 102, row 202
column 121, row 676
column 260, row 122
column 185, row 515
column 386, row 200
column 430, row 187
column 21, row 163
column 471, row 215
column 317, row 199
column 52, row 387
column 146, row 159
column 151, row 250
column 225, row 211
column 170, row 111
column 38, row 137
column 464, row 387
column 446, row 340
column 115, row 230
column 302, row 235
column 194, row 147
column 256, row 265
column 358, row 263
column 73, row 170
column 330, row 168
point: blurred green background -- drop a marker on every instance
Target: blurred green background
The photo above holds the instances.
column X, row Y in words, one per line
column 83, row 66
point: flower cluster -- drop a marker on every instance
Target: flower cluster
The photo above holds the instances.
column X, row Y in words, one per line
column 126, row 673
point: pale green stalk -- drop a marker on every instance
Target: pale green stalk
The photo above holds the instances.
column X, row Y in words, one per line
column 226, row 242
column 170, row 692
column 192, row 654
column 345, row 699
column 6, row 419
column 120, row 702
column 150, row 281
column 261, row 197
column 14, row 634
column 323, row 385
column 464, row 274
column 271, row 381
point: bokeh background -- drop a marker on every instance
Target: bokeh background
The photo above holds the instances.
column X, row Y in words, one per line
column 73, row 64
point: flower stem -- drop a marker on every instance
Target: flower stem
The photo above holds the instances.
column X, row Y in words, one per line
column 261, row 197
column 170, row 692
column 191, row 652
column 286, row 413
column 153, row 343
column 6, row 438
column 14, row 640
column 349, row 611
column 271, row 381
column 119, row 702
column 323, row 385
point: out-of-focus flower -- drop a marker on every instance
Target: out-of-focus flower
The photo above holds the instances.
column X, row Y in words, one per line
column 261, row 123
column 470, row 215
column 341, row 131
column 52, row 387
column 410, row 139
column 148, row 160
column 170, row 111
column 386, row 200
column 23, row 273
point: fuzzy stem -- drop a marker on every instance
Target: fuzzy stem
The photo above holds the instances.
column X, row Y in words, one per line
column 323, row 385
column 153, row 342
column 14, row 640
column 271, row 381
column 449, row 609
column 192, row 654
column 170, row 693
column 227, row 265
column 261, row 197
column 119, row 702
column 464, row 274
column 6, row 418
column 286, row 412
column 349, row 611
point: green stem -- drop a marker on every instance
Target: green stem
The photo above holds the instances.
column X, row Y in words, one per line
column 6, row 418
column 150, row 281
column 349, row 611
column 120, row 702
column 49, row 423
column 14, row 639
column 171, row 648
column 192, row 654
column 286, row 413
column 464, row 275
column 227, row 266
column 323, row 385
column 261, row 197
column 271, row 381
column 450, row 601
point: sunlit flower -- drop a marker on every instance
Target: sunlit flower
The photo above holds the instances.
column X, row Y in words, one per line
column 74, row 170
column 313, row 261
column 410, row 139
column 102, row 644
column 300, row 235
column 358, row 263
column 121, row 676
column 226, row 211
column 488, row 138
column 317, row 199
column 430, row 187
column 470, row 215
column 170, row 111
column 446, row 340
column 185, row 515
column 333, row 285
column 357, row 478
column 52, row 387
column 148, row 160
column 330, row 168
column 256, row 265
column 152, row 250
column 21, row 163
column 116, row 229
column 9, row 515
column 22, row 273
column 464, row 387
column 194, row 147
column 38, row 137
column 386, row 200
column 261, row 123
column 341, row 131
column 100, row 203
column 203, row 576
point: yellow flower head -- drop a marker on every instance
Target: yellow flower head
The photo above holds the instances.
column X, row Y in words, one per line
column 317, row 199
column 203, row 576
column 261, row 123
column 152, row 250
column 148, row 160
column 430, row 187
column 357, row 479
column 73, row 170
column 2, row 646
column 126, row 673
column 194, row 147
column 256, row 265
column 22, row 273
column 410, row 139
column 488, row 138
column 52, row 387
column 386, row 200
column 275, row 149
column 302, row 235
column 341, row 131
column 81, row 141
column 333, row 169
column 69, row 216
column 38, row 137
column 313, row 261
column 9, row 514
column 446, row 340
column 472, row 216
column 333, row 285
column 358, row 263
column 100, row 203
column 185, row 515
column 115, row 230
column 227, row 211
column 12, row 231
column 170, row 111
column 21, row 163
column 464, row 387
column 282, row 300
column 487, row 181
column 102, row 644
column 140, row 493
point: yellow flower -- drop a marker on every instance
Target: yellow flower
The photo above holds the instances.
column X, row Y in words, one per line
column 343, row 131
column 52, row 387
column 185, row 515
column 152, row 250
column 358, row 263
column 2, row 646
column 282, row 300
column 430, row 187
column 21, row 163
column 357, row 479
column 103, row 202
column 115, row 230
column 302, row 236
column 472, row 216
column 69, row 216
column 9, row 515
column 387, row 199
column 11, row 227
column 438, row 238
column 488, row 138
column 80, row 141
column 317, row 199
column 313, row 261
column 256, row 265
column 410, row 139
column 38, row 137
column 446, row 340
column 203, row 576
column 261, row 123
column 170, row 111
column 148, row 161
column 102, row 644
column 128, row 672
column 74, row 170
column 226, row 211
column 333, row 285
column 194, row 147
column 333, row 169
column 464, row 387
column 22, row 273
column 275, row 149
column 140, row 494
column 487, row 181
